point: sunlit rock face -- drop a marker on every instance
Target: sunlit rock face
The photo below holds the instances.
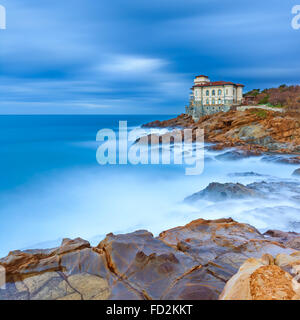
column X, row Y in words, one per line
column 267, row 278
column 190, row 262
column 251, row 130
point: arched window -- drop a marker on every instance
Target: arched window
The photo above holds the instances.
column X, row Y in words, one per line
column 219, row 92
column 214, row 92
column 213, row 101
column 207, row 92
column 207, row 101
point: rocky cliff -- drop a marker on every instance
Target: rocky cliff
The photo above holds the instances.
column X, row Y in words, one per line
column 253, row 130
column 190, row 262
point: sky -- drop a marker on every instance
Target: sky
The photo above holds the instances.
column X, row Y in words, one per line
column 139, row 56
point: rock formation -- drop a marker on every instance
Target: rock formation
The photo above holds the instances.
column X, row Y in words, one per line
column 252, row 130
column 190, row 262
column 262, row 189
column 267, row 278
column 219, row 192
column 296, row 172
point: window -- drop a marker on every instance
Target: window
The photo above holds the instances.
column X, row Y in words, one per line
column 196, row 93
column 214, row 92
column 219, row 92
column 213, row 101
column 207, row 92
column 207, row 101
column 220, row 101
column 227, row 91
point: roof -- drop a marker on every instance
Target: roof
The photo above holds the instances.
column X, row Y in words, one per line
column 202, row 76
column 218, row 83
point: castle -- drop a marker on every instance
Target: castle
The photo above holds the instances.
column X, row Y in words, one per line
column 211, row 97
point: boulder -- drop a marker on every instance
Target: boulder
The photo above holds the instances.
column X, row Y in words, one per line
column 236, row 155
column 296, row 172
column 219, row 192
column 265, row 279
column 289, row 239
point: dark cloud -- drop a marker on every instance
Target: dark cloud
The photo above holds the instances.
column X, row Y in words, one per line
column 138, row 56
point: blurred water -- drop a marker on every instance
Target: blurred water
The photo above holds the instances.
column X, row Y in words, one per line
column 52, row 187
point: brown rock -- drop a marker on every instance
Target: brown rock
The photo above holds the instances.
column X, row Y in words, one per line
column 257, row 279
column 190, row 262
column 275, row 132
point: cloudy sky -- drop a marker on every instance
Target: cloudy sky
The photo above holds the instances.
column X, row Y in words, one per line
column 139, row 56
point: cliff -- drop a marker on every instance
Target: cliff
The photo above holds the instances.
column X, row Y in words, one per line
column 252, row 130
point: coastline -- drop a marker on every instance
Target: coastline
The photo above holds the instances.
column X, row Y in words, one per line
column 203, row 260
column 254, row 130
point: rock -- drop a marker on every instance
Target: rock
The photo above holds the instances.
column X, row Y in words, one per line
column 235, row 155
column 182, row 120
column 172, row 137
column 264, row 279
column 90, row 287
column 219, row 192
column 286, row 159
column 274, row 132
column 47, row 274
column 245, row 174
column 147, row 268
column 289, row 239
column 296, row 172
column 190, row 262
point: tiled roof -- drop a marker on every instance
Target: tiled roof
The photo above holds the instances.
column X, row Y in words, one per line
column 218, row 83
column 202, row 76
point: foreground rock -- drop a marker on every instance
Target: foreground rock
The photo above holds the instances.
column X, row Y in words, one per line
column 190, row 262
column 250, row 130
column 267, row 278
column 289, row 239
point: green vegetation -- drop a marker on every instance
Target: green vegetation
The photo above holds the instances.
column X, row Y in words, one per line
column 262, row 114
column 254, row 93
column 264, row 100
column 284, row 96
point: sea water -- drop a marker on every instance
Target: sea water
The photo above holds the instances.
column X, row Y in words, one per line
column 51, row 186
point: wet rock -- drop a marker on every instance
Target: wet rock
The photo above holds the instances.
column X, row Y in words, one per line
column 144, row 265
column 289, row 239
column 219, row 192
column 285, row 159
column 236, row 155
column 190, row 262
column 296, row 172
column 246, row 174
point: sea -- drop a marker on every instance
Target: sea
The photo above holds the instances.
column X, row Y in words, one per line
column 52, row 186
